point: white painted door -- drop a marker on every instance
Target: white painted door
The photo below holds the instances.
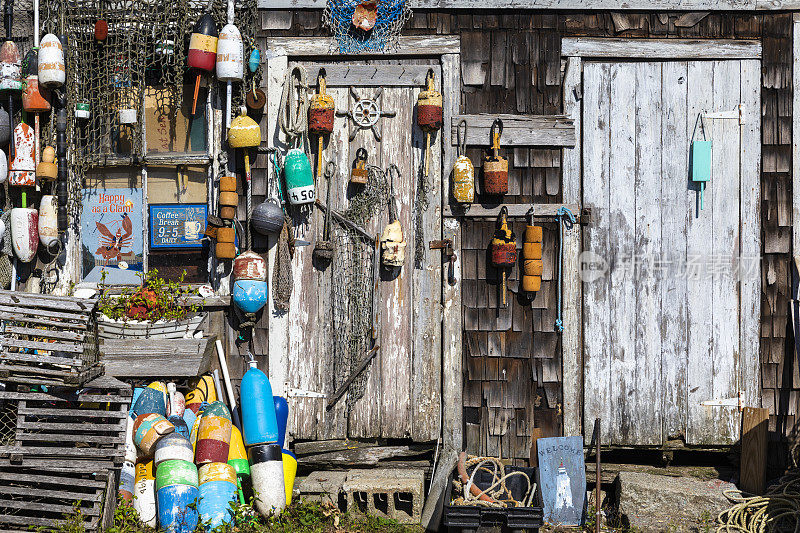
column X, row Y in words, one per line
column 671, row 292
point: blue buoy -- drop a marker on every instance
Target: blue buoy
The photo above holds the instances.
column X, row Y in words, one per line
column 259, row 422
column 249, row 295
column 282, row 414
column 255, row 60
column 181, row 428
column 150, row 401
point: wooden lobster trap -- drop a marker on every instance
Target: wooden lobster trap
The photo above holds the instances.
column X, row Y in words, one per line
column 69, row 443
column 47, row 340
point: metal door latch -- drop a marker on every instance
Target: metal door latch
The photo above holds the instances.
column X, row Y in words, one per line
column 300, row 393
column 736, row 401
column 446, row 245
column 737, row 113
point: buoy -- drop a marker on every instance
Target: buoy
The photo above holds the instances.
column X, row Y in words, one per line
column 299, row 180
column 268, row 217
column 176, row 496
column 204, row 391
column 230, row 54
column 127, row 481
column 237, row 458
column 359, row 173
column 24, row 232
column 47, row 170
column 254, row 61
column 228, row 197
column 249, row 295
column 217, row 491
column 33, row 100
column 289, row 473
column 83, row 110
column 144, row 496
column 266, row 473
column 48, row 220
column 10, row 79
column 393, row 247
column 532, row 265
column 148, row 429
column 173, row 446
column 5, row 130
column 3, row 167
column 101, row 30
column 189, row 417
column 249, row 265
column 181, row 427
column 259, row 420
column 194, row 429
column 321, row 111
column 150, row 400
column 22, row 169
column 503, row 250
column 463, row 170
column 430, row 114
column 244, row 133
column 495, row 167
column 213, row 435
column 177, row 402
column 282, row 417
column 52, row 72
column 202, row 50
column 365, row 15
column 137, row 391
column 131, row 453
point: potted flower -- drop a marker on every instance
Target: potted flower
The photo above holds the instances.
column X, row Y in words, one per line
column 156, row 309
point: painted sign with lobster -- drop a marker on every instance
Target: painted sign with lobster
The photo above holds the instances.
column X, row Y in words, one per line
column 111, row 234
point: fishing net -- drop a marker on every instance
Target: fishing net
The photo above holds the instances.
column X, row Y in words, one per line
column 353, row 267
column 391, row 16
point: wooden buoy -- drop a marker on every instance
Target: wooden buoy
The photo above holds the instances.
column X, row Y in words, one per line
column 202, row 50
column 463, row 170
column 25, row 233
column 217, row 491
column 495, row 167
column 393, row 246
column 52, row 72
column 47, row 170
column 532, row 257
column 430, row 114
column 144, row 496
column 228, row 198
column 244, row 133
column 101, row 30
column 148, row 429
column 259, row 421
column 321, row 111
column 48, row 220
column 359, row 173
column 266, row 473
column 213, row 435
column 22, row 169
column 176, row 496
column 503, row 250
column 225, row 247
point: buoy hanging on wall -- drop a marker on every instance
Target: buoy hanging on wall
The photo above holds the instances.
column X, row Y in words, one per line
column 52, row 72
column 230, row 54
column 503, row 250
column 268, row 217
column 5, row 131
column 22, row 169
column 47, row 170
column 299, row 180
column 25, row 233
column 430, row 114
column 202, row 50
column 33, row 97
column 495, row 167
column 48, row 220
column 463, row 170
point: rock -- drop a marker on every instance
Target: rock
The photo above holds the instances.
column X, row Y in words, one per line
column 649, row 502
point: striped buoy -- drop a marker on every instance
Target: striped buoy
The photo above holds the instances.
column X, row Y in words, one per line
column 289, row 473
column 237, row 458
column 150, row 401
column 144, row 497
column 266, row 472
column 176, row 491
column 230, row 54
column 148, row 429
column 203, row 392
column 127, row 481
column 173, row 446
column 217, row 491
column 213, row 435
column 51, row 62
column 180, row 426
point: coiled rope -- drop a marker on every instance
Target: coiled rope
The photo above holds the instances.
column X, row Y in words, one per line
column 778, row 511
column 294, row 110
column 565, row 216
column 497, row 494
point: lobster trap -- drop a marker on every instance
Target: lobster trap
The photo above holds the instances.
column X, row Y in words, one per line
column 59, row 452
column 47, row 340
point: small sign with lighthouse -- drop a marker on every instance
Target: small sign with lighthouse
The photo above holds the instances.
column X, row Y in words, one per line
column 562, row 474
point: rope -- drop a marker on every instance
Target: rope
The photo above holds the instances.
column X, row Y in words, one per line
column 282, row 279
column 565, row 216
column 778, row 511
column 497, row 489
column 294, row 111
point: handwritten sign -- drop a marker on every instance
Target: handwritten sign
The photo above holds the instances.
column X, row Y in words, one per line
column 562, row 474
column 177, row 225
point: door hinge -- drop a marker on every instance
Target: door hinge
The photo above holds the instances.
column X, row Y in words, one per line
column 736, row 401
column 300, row 393
column 736, row 113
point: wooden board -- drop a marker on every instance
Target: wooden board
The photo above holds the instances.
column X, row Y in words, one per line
column 753, row 466
column 654, row 49
column 562, row 474
column 518, row 130
column 360, row 75
column 429, row 45
column 582, row 5
column 150, row 358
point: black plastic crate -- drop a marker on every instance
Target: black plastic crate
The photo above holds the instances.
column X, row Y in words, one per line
column 464, row 517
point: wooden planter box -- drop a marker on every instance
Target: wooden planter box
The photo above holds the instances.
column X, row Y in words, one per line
column 113, row 329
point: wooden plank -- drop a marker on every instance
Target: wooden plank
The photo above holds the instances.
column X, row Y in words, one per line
column 542, row 211
column 46, row 333
column 596, row 346
column 700, row 420
column 572, row 369
column 47, row 346
column 753, row 468
column 645, row 412
column 626, row 183
column 78, row 413
column 653, row 49
column 750, row 231
column 60, row 437
column 428, row 45
column 64, row 303
column 61, row 426
column 186, row 366
column 796, row 150
column 44, row 507
column 518, row 130
column 362, row 456
column 58, row 451
column 52, row 479
column 373, row 75
column 561, row 5
column 12, row 317
column 19, row 314
column 675, row 207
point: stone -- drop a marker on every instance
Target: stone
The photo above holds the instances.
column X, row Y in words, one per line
column 323, row 486
column 650, row 502
column 393, row 493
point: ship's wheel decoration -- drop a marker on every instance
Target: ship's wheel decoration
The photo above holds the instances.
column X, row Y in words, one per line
column 366, row 25
column 366, row 114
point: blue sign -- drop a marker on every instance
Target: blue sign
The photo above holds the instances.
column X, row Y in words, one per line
column 177, row 225
column 562, row 474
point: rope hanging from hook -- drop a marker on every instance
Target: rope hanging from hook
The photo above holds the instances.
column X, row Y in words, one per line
column 294, row 106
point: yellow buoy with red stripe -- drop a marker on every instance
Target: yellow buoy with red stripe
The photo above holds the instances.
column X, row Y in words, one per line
column 204, row 391
column 213, row 435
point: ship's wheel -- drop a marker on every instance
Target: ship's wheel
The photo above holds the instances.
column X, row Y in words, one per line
column 366, row 114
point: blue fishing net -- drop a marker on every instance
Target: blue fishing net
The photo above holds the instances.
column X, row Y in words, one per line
column 391, row 16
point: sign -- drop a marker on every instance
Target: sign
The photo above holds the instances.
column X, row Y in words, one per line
column 112, row 235
column 562, row 474
column 177, row 225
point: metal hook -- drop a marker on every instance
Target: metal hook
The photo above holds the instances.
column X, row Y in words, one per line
column 462, row 141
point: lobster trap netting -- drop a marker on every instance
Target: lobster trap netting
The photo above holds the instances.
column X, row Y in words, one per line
column 390, row 18
column 354, row 266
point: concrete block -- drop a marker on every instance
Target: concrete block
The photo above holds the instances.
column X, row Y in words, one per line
column 324, row 486
column 387, row 492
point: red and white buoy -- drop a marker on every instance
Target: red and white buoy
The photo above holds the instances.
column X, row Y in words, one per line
column 25, row 232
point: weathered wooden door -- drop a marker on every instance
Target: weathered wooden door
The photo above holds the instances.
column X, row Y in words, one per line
column 671, row 291
column 401, row 396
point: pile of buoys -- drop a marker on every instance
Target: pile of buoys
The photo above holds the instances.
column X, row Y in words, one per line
column 186, row 462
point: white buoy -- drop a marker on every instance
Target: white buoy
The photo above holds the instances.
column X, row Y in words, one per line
column 230, row 54
column 24, row 232
column 48, row 220
column 266, row 474
column 3, row 167
column 52, row 72
column 144, row 494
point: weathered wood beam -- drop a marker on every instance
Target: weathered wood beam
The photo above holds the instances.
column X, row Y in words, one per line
column 354, row 75
column 651, row 49
column 433, row 45
column 153, row 357
column 518, row 130
column 587, row 5
column 362, row 456
column 514, row 210
column 796, row 154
